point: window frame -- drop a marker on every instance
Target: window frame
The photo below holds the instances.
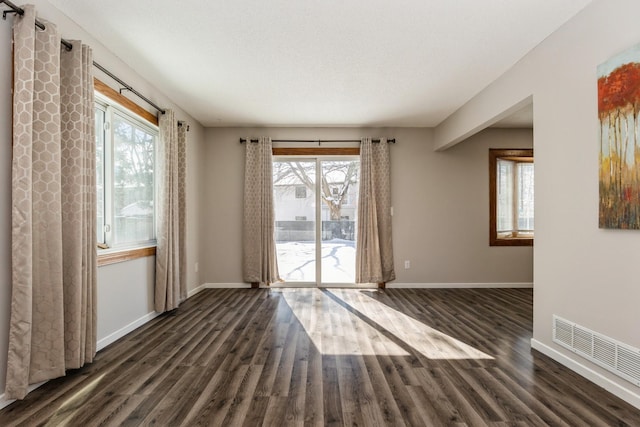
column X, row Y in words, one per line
column 519, row 155
column 112, row 102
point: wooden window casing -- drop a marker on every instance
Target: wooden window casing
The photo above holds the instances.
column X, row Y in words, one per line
column 125, row 255
column 316, row 151
column 518, row 155
column 115, row 96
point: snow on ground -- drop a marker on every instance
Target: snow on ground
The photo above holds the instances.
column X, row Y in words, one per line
column 296, row 261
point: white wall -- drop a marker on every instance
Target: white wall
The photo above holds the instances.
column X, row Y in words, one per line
column 441, row 205
column 124, row 290
column 125, row 297
column 582, row 273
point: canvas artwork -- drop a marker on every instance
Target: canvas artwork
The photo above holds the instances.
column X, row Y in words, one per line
column 619, row 115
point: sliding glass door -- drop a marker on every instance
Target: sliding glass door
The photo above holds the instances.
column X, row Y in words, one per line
column 316, row 204
column 339, row 210
column 294, row 186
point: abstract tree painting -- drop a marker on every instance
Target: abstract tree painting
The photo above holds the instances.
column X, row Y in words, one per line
column 619, row 116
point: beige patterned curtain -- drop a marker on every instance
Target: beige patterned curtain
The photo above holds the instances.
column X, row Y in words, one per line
column 259, row 260
column 171, row 286
column 183, row 128
column 374, row 248
column 53, row 301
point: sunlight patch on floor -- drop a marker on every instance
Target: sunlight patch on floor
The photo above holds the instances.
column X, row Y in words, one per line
column 348, row 322
column 68, row 409
column 336, row 331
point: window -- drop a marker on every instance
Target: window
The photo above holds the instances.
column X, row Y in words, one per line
column 301, row 192
column 125, row 157
column 511, row 190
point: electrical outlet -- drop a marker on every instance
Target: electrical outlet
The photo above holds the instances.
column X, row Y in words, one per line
column 407, row 264
column 196, row 267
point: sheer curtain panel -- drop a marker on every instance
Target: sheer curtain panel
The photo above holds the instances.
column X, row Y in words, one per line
column 258, row 241
column 171, row 287
column 374, row 247
column 53, row 302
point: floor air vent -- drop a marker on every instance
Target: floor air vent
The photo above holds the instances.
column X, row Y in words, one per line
column 619, row 358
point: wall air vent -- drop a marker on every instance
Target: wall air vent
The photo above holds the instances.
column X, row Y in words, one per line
column 619, row 358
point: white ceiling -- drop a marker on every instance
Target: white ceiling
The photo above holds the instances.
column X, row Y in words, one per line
column 320, row 63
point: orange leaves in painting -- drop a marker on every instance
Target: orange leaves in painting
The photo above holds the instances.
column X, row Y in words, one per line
column 620, row 90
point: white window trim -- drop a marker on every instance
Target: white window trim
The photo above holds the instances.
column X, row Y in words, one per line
column 111, row 108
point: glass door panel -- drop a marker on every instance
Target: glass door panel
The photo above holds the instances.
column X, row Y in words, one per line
column 294, row 184
column 339, row 210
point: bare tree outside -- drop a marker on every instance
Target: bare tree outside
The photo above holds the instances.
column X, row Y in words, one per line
column 337, row 177
column 133, row 186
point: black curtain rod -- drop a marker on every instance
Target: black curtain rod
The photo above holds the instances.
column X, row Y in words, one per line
column 69, row 46
column 127, row 87
column 318, row 141
column 20, row 11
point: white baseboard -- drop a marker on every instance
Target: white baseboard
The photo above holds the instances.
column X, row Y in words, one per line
column 226, row 286
column 125, row 330
column 99, row 346
column 627, row 394
column 458, row 285
column 373, row 285
column 111, row 338
column 195, row 291
column 6, row 402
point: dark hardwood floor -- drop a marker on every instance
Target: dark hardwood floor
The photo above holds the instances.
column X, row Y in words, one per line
column 285, row 357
